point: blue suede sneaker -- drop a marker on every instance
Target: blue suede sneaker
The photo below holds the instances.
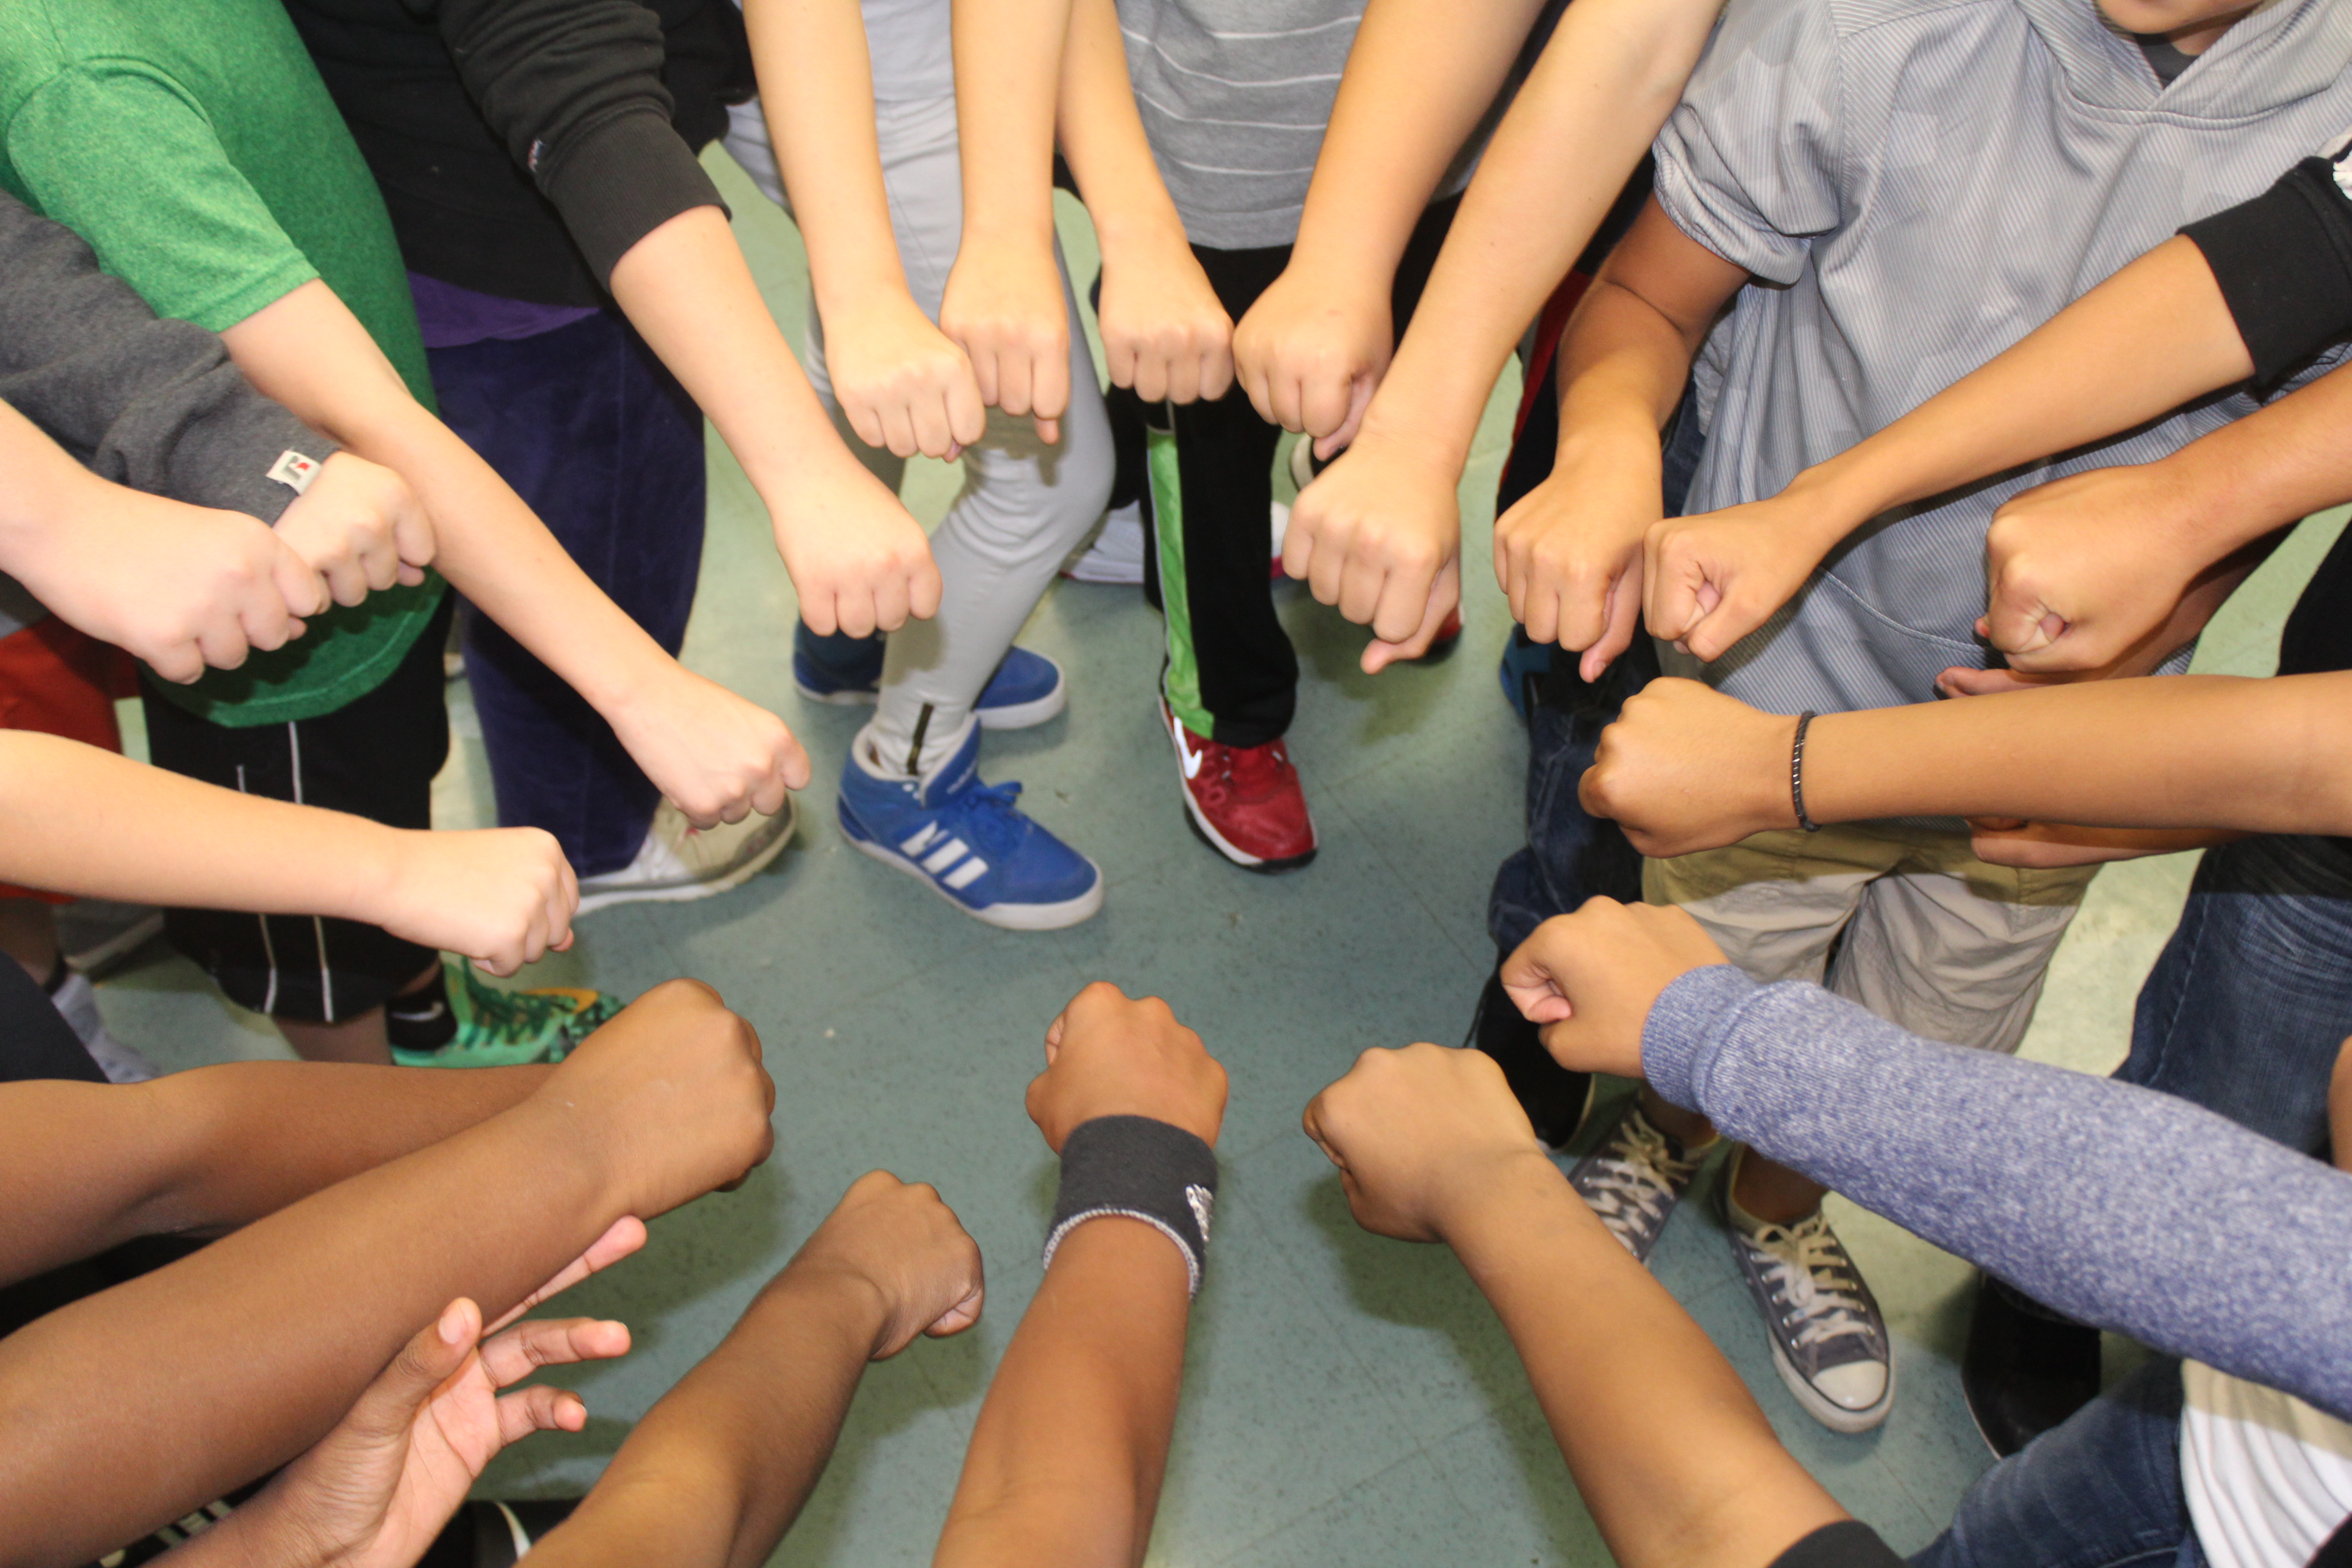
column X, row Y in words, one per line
column 1027, row 688
column 966, row 839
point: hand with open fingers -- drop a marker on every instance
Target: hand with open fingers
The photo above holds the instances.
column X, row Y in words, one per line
column 502, row 897
column 860, row 563
column 375, row 1492
column 898, row 1240
column 1569, row 555
column 359, row 526
column 901, row 383
column 181, row 587
column 1311, row 352
column 1004, row 308
column 1590, row 978
column 1165, row 333
column 1685, row 768
column 623, row 1238
column 2083, row 569
column 1378, row 534
column 1711, row 579
column 670, row 1097
column 716, row 756
column 1110, row 1055
column 1421, row 1133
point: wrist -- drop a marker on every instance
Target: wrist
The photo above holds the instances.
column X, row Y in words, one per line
column 375, row 866
column 1146, row 232
column 1405, row 428
column 827, row 1296
column 1481, row 1213
column 1831, row 500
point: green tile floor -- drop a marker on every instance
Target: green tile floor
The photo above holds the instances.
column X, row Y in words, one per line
column 1348, row 1399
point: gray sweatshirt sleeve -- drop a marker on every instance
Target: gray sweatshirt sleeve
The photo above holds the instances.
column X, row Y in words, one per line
column 2125, row 1207
column 154, row 404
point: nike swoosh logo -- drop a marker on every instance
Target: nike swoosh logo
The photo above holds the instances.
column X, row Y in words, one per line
column 1184, row 750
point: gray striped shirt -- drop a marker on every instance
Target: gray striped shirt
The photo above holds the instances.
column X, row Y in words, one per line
column 1918, row 184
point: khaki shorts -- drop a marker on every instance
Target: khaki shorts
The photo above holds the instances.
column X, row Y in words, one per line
column 1925, row 935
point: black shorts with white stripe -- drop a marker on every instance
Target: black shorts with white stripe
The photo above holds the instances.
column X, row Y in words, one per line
column 374, row 757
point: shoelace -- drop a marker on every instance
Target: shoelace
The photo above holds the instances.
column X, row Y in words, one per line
column 1813, row 1278
column 983, row 817
column 1253, row 770
column 507, row 1015
column 1639, row 1178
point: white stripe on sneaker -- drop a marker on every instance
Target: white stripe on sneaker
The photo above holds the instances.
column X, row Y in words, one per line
column 945, row 856
column 921, row 840
column 965, row 875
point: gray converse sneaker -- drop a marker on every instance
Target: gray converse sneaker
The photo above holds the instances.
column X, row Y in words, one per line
column 1829, row 1342
column 1634, row 1177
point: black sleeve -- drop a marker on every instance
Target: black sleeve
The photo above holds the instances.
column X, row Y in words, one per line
column 154, row 405
column 2284, row 263
column 574, row 89
column 1849, row 1543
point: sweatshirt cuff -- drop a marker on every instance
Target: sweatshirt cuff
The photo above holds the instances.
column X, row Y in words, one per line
column 616, row 182
column 1687, row 1022
column 2283, row 261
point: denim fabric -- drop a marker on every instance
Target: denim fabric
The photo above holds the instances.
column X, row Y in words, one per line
column 2101, row 1491
column 2251, row 998
column 589, row 429
column 1570, row 856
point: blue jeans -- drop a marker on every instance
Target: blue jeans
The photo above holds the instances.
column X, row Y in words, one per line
column 2100, row 1491
column 2251, row 998
column 1570, row 855
column 606, row 446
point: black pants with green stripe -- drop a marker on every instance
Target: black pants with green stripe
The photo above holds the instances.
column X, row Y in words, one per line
column 1231, row 673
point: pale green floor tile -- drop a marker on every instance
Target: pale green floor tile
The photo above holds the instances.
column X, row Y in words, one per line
column 1348, row 1398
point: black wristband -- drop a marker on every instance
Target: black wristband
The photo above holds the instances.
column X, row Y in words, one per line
column 1137, row 1168
column 1797, row 773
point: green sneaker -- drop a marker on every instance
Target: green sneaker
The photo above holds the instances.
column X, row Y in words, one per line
column 510, row 1028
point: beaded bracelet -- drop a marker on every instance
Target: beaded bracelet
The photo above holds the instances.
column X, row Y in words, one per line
column 1797, row 773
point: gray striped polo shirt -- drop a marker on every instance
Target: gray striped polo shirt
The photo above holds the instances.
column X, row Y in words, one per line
column 1916, row 185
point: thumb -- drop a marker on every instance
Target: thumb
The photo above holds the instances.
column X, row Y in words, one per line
column 2020, row 622
column 1444, row 598
column 1527, row 980
column 1359, row 398
column 384, row 1411
column 297, row 581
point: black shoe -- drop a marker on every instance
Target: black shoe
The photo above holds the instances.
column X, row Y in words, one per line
column 1555, row 1099
column 2026, row 1369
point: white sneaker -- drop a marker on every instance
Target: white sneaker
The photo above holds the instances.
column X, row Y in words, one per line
column 1116, row 554
column 76, row 1001
column 680, row 861
column 1278, row 521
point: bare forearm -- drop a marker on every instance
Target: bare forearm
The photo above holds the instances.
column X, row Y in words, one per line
column 689, row 291
column 1419, row 76
column 2273, row 468
column 1611, row 73
column 74, row 819
column 721, row 1466
column 2152, row 337
column 1102, row 138
column 1622, row 365
column 817, row 92
column 250, row 1350
column 1008, row 68
column 2271, row 757
column 1670, row 1453
column 1067, row 1454
column 206, row 1151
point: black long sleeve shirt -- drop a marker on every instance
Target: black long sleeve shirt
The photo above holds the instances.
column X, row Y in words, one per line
column 523, row 146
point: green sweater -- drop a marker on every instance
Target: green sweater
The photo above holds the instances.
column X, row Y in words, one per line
column 193, row 145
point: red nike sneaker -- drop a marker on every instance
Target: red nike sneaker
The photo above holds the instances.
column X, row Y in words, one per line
column 1244, row 800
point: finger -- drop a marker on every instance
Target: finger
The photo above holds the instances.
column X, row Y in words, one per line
column 1151, row 376
column 960, row 1316
column 621, row 1238
column 347, row 580
column 538, row 1409
column 1362, row 584
column 178, row 662
column 266, row 624
column 1049, row 382
column 898, row 431
column 933, row 438
column 224, row 646
column 1324, row 404
column 891, row 596
column 510, row 1357
column 924, row 588
column 1359, row 398
column 1050, row 432
column 983, row 374
column 1284, row 398
column 865, row 421
column 427, row 1361
column 414, row 539
column 300, row 588
column 1444, row 598
column 816, row 612
column 967, row 411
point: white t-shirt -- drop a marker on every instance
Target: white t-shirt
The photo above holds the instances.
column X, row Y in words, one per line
column 2267, row 1478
